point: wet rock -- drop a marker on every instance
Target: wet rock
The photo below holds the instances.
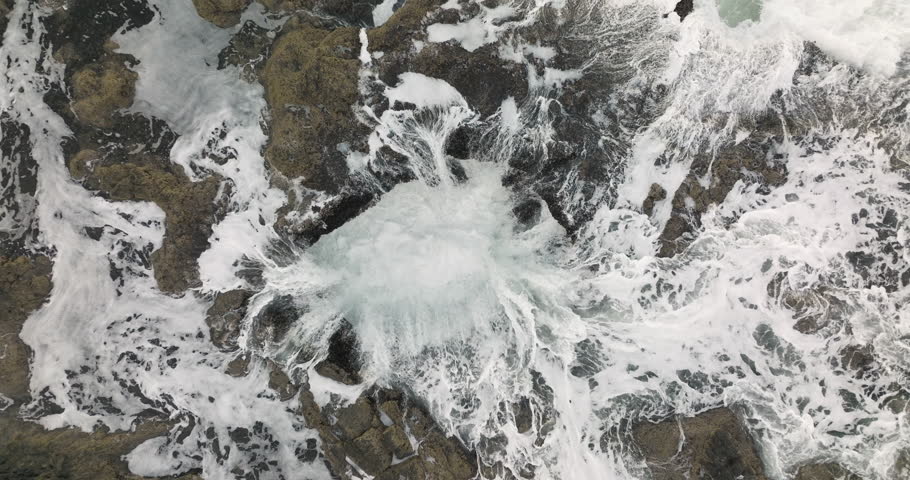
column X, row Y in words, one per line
column 6, row 6
column 247, row 50
column 28, row 451
column 311, row 83
column 224, row 318
column 714, row 445
column 189, row 208
column 481, row 76
column 655, row 194
column 274, row 321
column 357, row 13
column 814, row 309
column 343, row 361
column 80, row 33
column 712, row 177
column 372, row 434
column 100, row 89
column 223, row 13
column 825, row 471
column 684, row 8
column 25, row 283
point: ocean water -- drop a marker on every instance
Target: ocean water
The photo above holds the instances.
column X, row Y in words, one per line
column 456, row 300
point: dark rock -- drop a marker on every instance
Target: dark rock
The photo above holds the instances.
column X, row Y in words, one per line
column 527, row 213
column 752, row 161
column 224, row 318
column 684, row 8
column 273, row 322
column 247, row 50
column 825, row 471
column 715, row 446
column 343, row 361
column 481, row 76
column 814, row 309
column 371, row 432
column 655, row 194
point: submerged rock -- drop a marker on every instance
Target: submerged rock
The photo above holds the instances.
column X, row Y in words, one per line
column 711, row 445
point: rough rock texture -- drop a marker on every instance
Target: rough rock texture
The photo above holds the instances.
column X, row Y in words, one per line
column 715, row 446
column 223, row 13
column 28, row 451
column 100, row 89
column 311, row 85
column 814, row 309
column 247, row 50
column 712, row 176
column 224, row 318
column 825, row 471
column 373, row 433
column 357, row 13
column 137, row 166
column 25, row 283
column 343, row 361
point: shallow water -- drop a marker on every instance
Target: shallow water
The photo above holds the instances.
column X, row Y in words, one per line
column 456, row 300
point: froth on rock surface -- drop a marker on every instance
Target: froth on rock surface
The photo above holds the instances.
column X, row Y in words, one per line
column 711, row 445
column 385, row 435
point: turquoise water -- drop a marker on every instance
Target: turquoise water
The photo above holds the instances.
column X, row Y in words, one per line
column 734, row 12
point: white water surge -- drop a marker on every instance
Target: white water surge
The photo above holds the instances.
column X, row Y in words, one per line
column 456, row 300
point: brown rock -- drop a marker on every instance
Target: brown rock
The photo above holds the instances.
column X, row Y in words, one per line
column 25, row 284
column 223, row 13
column 655, row 194
column 311, row 82
column 225, row 316
column 715, row 445
column 102, row 88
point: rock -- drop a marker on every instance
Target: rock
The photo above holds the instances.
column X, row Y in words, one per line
column 655, row 194
column 825, row 471
column 224, row 318
column 247, row 50
column 483, row 77
column 358, row 13
column 371, row 432
column 223, row 13
column 752, row 161
column 28, row 451
column 814, row 309
column 343, row 361
column 189, row 208
column 684, row 8
column 311, row 82
column 25, row 284
column 274, row 321
column 100, row 89
column 715, row 446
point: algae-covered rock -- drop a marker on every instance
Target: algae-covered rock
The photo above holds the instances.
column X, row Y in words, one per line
column 102, row 88
column 311, row 82
column 25, row 283
column 223, row 13
column 715, row 445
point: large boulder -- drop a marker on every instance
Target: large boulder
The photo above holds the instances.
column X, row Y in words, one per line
column 711, row 445
column 223, row 13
